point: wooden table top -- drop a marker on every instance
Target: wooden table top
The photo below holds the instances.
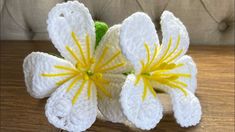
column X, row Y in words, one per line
column 21, row 112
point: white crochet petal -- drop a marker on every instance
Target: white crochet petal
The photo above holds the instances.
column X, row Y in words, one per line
column 111, row 107
column 66, row 18
column 173, row 27
column 78, row 117
column 137, row 30
column 109, row 48
column 100, row 116
column 187, row 109
column 38, row 63
column 189, row 67
column 143, row 114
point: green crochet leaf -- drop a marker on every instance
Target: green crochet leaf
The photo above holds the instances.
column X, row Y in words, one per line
column 100, row 29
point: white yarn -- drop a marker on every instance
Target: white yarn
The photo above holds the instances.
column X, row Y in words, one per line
column 173, row 27
column 126, row 105
column 135, row 31
column 187, row 109
column 143, row 114
column 62, row 114
column 66, row 18
column 36, row 64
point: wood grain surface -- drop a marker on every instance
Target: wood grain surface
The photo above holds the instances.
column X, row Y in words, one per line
column 21, row 112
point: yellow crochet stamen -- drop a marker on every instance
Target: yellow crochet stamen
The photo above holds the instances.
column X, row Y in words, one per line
column 180, row 83
column 56, row 74
column 73, row 54
column 88, row 46
column 155, row 66
column 78, row 92
column 59, row 83
column 148, row 53
column 145, row 89
column 173, row 85
column 150, row 87
column 112, row 67
column 89, row 89
column 176, row 47
column 84, row 71
column 156, row 50
column 77, row 42
column 143, row 65
column 175, row 56
column 101, row 87
column 147, row 86
column 173, row 74
column 111, row 59
column 101, row 58
column 71, row 74
column 101, row 80
column 167, row 58
column 73, row 83
column 167, row 50
column 138, row 79
column 66, row 68
column 159, row 71
column 179, row 65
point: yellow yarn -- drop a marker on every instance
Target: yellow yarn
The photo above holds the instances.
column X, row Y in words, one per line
column 155, row 70
column 87, row 71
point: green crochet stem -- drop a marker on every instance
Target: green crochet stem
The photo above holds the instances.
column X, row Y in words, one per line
column 100, row 29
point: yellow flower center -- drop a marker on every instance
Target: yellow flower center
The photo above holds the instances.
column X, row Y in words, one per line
column 87, row 70
column 154, row 70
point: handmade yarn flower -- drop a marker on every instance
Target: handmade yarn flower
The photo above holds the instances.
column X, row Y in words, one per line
column 164, row 67
column 73, row 83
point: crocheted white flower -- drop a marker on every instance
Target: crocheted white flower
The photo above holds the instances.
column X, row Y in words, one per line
column 164, row 67
column 83, row 74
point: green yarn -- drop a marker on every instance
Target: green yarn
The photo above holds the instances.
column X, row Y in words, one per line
column 100, row 29
column 129, row 72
